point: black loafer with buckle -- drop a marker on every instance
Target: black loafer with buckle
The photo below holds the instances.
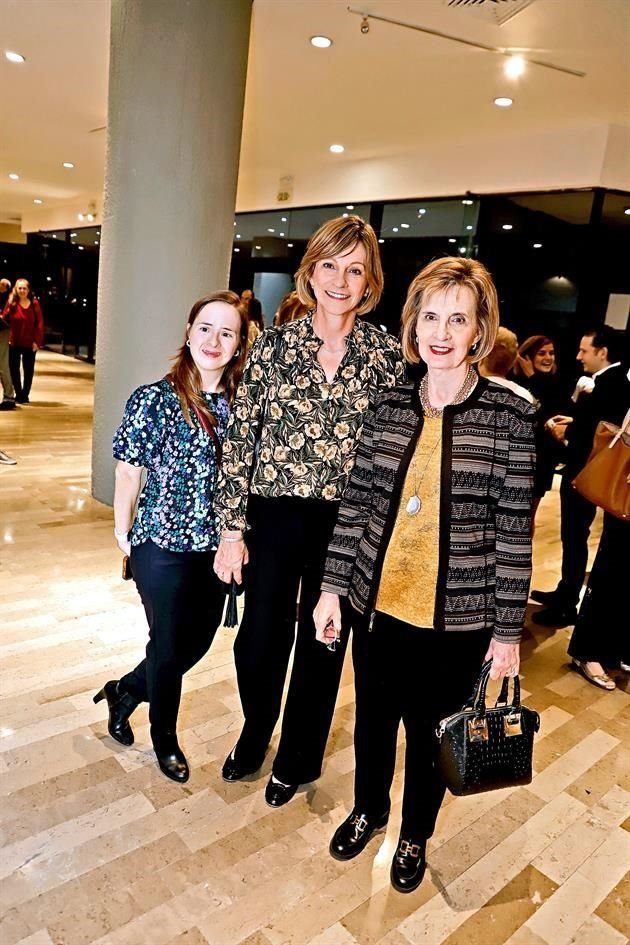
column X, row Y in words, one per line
column 353, row 834
column 408, row 865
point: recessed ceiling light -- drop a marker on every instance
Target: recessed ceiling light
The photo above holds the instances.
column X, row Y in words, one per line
column 394, row 229
column 462, row 249
column 37, row 200
column 404, row 226
column 68, row 164
column 627, row 211
column 503, row 101
column 469, row 227
column 270, row 229
column 345, row 215
column 73, row 234
column 514, row 67
column 14, row 56
column 48, row 278
column 506, row 226
column 54, row 236
column 349, row 206
column 81, row 217
column 421, row 211
column 96, row 242
column 290, row 245
column 258, row 247
column 337, row 148
column 238, row 236
column 467, row 203
column 236, row 249
column 537, row 245
column 452, row 239
column 80, row 247
column 381, row 241
column 321, row 42
column 282, row 234
column 283, row 219
column 14, row 176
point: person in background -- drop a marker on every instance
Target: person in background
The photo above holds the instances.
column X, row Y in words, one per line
column 600, row 356
column 253, row 309
column 8, row 391
column 497, row 365
column 173, row 429
column 289, row 310
column 432, row 550
column 288, row 454
column 536, row 369
column 24, row 316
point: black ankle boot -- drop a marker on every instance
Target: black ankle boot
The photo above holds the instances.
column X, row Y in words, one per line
column 120, row 705
column 170, row 757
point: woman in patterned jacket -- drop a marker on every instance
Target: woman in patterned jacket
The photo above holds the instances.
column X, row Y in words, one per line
column 173, row 429
column 289, row 451
column 432, row 551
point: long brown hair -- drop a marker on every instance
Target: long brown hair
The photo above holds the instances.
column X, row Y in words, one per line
column 184, row 375
column 530, row 348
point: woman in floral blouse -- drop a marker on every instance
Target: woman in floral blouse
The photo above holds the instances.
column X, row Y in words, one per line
column 173, row 429
column 287, row 458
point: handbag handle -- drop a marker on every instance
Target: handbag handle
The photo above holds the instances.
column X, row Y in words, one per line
column 625, row 423
column 477, row 699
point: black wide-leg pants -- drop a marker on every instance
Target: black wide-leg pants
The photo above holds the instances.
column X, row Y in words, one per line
column 417, row 676
column 183, row 600
column 576, row 518
column 287, row 546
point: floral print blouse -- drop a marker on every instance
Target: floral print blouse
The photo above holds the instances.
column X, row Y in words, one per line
column 293, row 433
column 175, row 508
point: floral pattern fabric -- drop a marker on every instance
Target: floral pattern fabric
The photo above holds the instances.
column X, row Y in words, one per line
column 292, row 432
column 175, row 508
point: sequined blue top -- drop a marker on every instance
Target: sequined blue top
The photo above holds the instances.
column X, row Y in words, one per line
column 175, row 508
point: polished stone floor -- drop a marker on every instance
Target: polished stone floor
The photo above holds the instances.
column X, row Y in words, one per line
column 99, row 847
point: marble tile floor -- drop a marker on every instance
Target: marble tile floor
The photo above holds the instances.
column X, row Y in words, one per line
column 99, row 847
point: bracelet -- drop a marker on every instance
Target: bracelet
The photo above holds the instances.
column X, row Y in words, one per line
column 121, row 536
column 232, row 539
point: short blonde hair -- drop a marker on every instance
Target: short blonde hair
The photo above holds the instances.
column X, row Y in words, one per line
column 335, row 238
column 501, row 359
column 448, row 273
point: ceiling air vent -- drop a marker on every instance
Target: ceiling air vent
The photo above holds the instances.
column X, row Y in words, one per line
column 497, row 12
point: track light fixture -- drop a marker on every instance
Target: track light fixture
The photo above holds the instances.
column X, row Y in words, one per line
column 499, row 50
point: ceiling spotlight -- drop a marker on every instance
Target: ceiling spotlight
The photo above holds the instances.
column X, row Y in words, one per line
column 337, row 148
column 238, row 236
column 514, row 67
column 321, row 42
column 14, row 176
column 72, row 234
column 469, row 227
column 381, row 241
column 236, row 249
column 80, row 247
column 290, row 245
column 503, row 101
column 365, row 25
column 14, row 56
column 283, row 219
column 467, row 203
column 349, row 206
column 81, row 217
column 462, row 249
column 421, row 211
column 270, row 229
column 626, row 210
column 258, row 247
column 506, row 226
column 68, row 164
column 537, row 245
column 452, row 239
column 404, row 226
column 394, row 229
column 282, row 234
column 345, row 215
column 37, row 200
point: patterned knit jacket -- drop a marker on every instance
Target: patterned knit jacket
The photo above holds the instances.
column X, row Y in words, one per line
column 486, row 489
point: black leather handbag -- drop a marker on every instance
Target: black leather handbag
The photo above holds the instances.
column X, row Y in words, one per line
column 482, row 749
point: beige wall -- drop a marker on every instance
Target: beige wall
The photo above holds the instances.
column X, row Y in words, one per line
column 11, row 233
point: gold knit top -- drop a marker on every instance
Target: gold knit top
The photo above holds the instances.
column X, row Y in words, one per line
column 408, row 581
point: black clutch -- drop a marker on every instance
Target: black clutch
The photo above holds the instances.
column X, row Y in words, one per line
column 482, row 749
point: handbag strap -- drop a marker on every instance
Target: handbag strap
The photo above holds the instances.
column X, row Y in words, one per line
column 210, row 430
column 625, row 423
column 505, row 690
column 477, row 700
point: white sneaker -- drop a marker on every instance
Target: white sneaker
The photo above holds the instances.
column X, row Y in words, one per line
column 7, row 460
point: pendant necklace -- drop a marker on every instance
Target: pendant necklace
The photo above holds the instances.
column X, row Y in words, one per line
column 414, row 503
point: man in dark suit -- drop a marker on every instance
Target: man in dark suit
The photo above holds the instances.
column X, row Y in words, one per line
column 607, row 398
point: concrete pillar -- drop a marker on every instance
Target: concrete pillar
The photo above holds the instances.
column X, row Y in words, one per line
column 176, row 91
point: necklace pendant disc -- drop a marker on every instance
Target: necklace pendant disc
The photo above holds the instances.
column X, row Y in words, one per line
column 414, row 505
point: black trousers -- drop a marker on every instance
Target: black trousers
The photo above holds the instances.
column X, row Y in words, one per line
column 601, row 632
column 25, row 356
column 417, row 676
column 183, row 600
column 576, row 518
column 287, row 545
